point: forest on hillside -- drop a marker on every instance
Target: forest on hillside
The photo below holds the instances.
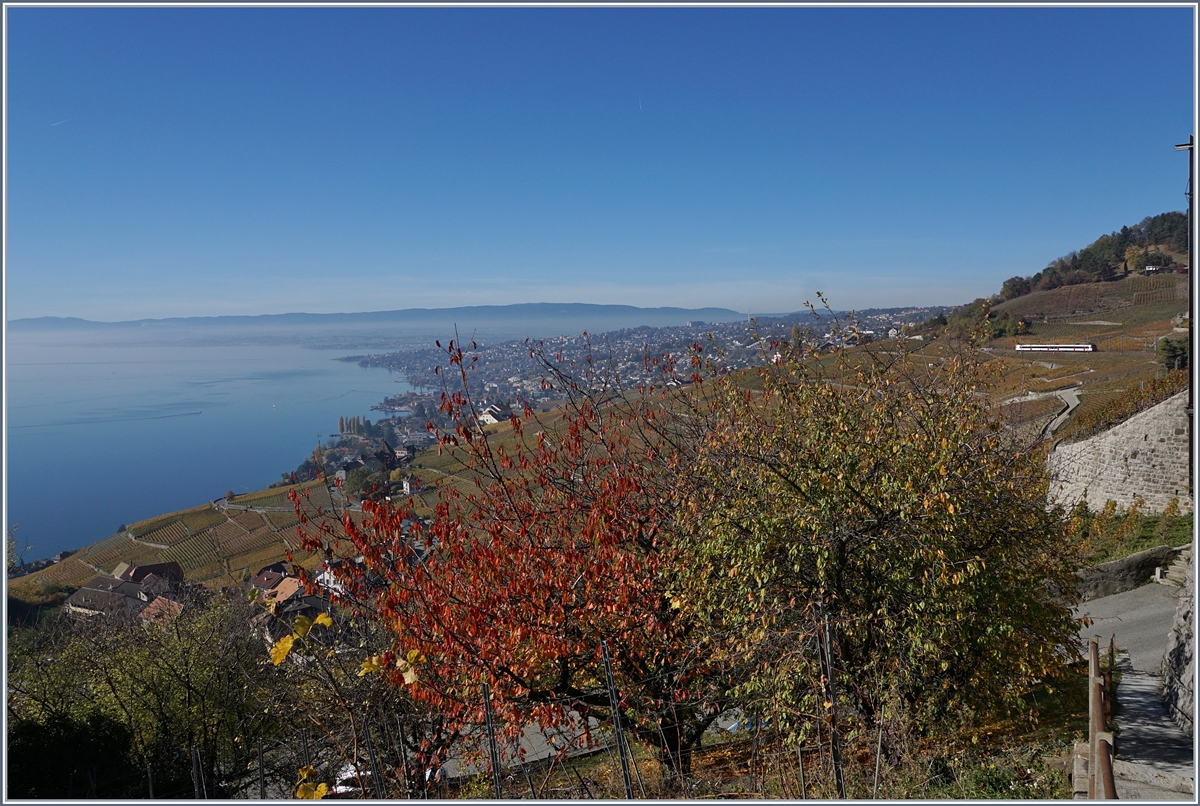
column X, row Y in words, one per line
column 1111, row 256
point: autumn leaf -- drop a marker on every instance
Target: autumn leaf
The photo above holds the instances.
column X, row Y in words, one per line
column 324, row 620
column 408, row 670
column 301, row 626
column 371, row 664
column 281, row 649
column 307, row 791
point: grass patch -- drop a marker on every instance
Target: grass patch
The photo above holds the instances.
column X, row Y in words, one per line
column 1115, row 532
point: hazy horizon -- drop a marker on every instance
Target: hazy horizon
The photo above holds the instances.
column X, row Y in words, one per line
column 387, row 311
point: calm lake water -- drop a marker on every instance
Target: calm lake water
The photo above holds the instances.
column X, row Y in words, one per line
column 101, row 435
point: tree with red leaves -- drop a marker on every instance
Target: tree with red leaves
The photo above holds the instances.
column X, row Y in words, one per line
column 565, row 538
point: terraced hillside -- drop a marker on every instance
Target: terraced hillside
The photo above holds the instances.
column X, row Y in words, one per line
column 1125, row 319
column 215, row 543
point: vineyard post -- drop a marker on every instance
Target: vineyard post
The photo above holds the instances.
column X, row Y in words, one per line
column 491, row 735
column 800, row 757
column 371, row 757
column 878, row 750
column 525, row 771
column 403, row 755
column 834, row 741
column 616, row 711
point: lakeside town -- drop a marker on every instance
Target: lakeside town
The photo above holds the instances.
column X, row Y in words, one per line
column 511, row 373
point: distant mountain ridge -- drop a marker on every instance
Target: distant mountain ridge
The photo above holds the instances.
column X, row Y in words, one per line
column 478, row 312
column 368, row 329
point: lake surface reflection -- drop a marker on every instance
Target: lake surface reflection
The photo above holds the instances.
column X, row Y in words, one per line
column 104, row 434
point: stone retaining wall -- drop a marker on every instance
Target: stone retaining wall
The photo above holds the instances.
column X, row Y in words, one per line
column 1147, row 456
column 1124, row 574
column 1178, row 666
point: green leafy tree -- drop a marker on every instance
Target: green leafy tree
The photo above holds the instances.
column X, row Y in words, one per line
column 878, row 491
column 357, row 481
column 1179, row 241
column 1157, row 258
column 1173, row 353
column 1014, row 287
column 170, row 686
column 72, row 756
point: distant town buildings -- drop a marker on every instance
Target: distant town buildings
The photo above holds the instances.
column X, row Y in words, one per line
column 515, row 372
column 495, row 414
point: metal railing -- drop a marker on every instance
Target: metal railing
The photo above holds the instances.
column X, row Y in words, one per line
column 1100, row 739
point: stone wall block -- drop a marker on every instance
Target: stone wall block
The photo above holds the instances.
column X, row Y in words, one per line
column 1133, row 459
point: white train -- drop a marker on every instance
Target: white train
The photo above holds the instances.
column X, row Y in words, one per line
column 1056, row 348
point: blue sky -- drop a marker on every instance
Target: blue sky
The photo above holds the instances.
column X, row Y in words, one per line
column 205, row 161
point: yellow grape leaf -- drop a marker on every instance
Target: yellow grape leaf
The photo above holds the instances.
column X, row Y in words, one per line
column 281, row 649
column 414, row 657
column 324, row 620
column 371, row 664
column 310, row 792
column 301, row 627
column 307, row 772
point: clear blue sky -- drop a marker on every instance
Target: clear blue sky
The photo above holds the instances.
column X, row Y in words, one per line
column 204, row 161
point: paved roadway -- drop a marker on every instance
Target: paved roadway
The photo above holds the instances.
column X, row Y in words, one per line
column 1141, row 619
column 1071, row 398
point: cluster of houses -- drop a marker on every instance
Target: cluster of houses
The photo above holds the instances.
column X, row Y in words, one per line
column 157, row 593
column 142, row 591
column 399, row 457
column 276, row 585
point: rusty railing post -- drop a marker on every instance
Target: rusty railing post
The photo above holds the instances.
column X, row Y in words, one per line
column 1095, row 713
column 1106, row 787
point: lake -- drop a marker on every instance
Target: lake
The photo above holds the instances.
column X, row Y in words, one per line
column 100, row 435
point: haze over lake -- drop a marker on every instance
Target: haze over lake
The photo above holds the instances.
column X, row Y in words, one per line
column 114, row 422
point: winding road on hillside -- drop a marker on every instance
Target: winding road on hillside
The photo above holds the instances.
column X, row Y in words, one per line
column 1071, row 398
